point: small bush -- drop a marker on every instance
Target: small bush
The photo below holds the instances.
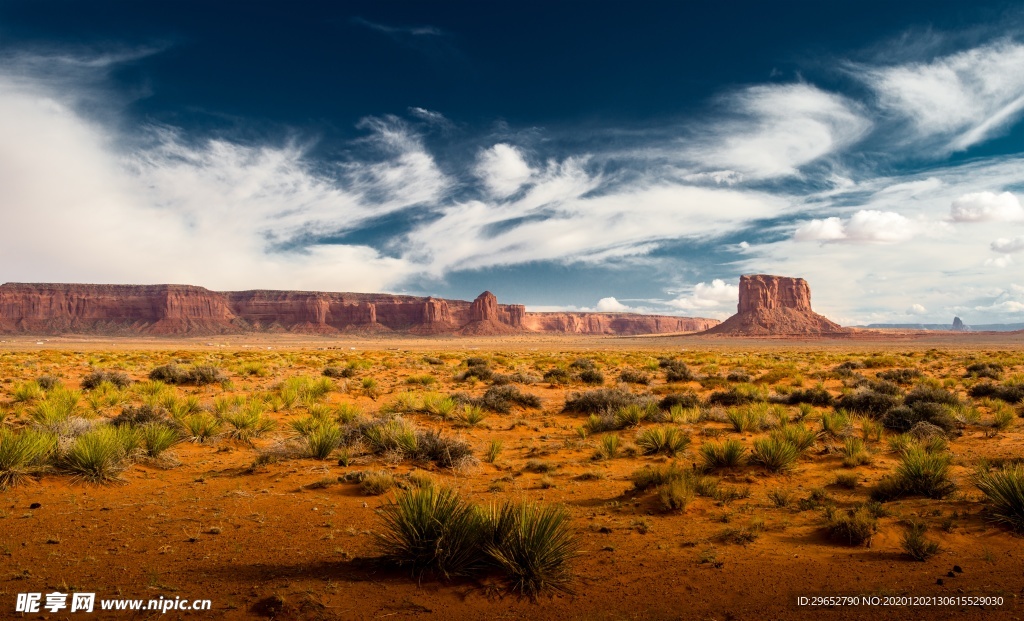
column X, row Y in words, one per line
column 200, row 427
column 444, row 451
column 902, row 418
column 726, row 454
column 583, row 364
column 853, row 527
column 27, row 392
column 648, row 476
column 603, row 401
column 634, row 414
column 200, row 375
column 1004, row 493
column 685, row 400
column 158, row 437
column 22, row 454
column 677, row 371
column 377, row 483
column 988, row 370
column 662, row 440
column 608, row 447
column 98, row 455
column 918, row 473
column 96, row 377
column 900, row 376
column 431, row 529
column 633, row 376
column 557, row 376
column 591, row 376
column 501, row 399
column 746, row 419
column 493, row 450
column 335, row 372
column 916, row 545
column 846, row 481
column 1010, row 393
column 675, row 495
column 740, row 394
column 814, row 396
column 322, row 440
column 854, row 453
column 799, row 435
column 867, row 401
column 775, row 454
column 384, row 435
column 141, row 415
column 480, row 371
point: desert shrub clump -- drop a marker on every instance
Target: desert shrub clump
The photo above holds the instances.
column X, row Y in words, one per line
column 853, row 527
column 919, row 473
column 501, row 399
column 662, row 440
column 603, row 400
column 1004, row 493
column 197, row 375
column 1010, row 393
column 775, row 454
column 557, row 376
column 740, row 394
column 101, row 454
column 990, row 370
column 22, row 454
column 814, row 396
column 868, row 401
column 725, row 454
column 676, row 371
column 98, row 376
column 915, row 544
column 433, row 530
column 633, row 376
column 684, row 400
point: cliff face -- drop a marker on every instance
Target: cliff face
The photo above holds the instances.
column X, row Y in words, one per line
column 187, row 310
column 775, row 305
column 613, row 323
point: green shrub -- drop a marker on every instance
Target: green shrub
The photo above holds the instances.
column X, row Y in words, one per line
column 775, row 454
column 321, row 440
column 591, row 376
column 98, row 455
column 746, row 419
column 916, row 545
column 740, row 394
column 868, row 402
column 22, row 454
column 608, row 448
column 667, row 440
column 200, row 427
column 918, row 473
column 633, row 415
column 200, row 375
column 685, row 400
column 501, row 399
column 493, row 450
column 799, row 435
column 900, row 376
column 853, row 527
column 98, row 376
column 28, row 391
column 603, row 400
column 1004, row 493
column 677, row 371
column 158, row 437
column 534, row 546
column 990, row 370
column 248, row 423
column 633, row 376
column 813, row 396
column 557, row 376
column 390, row 434
column 648, row 476
column 854, row 453
column 431, row 529
column 1010, row 393
column 726, row 454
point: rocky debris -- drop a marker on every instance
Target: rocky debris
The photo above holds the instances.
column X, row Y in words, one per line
column 775, row 305
column 188, row 310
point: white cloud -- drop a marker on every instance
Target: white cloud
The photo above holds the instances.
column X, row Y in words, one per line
column 865, row 226
column 986, row 207
column 917, row 309
column 779, row 130
column 1008, row 246
column 719, row 297
column 1003, row 261
column 503, row 169
column 611, row 305
column 959, row 100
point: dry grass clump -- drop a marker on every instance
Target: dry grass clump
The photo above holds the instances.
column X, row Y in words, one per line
column 1004, row 494
column 23, row 454
column 915, row 544
column 853, row 527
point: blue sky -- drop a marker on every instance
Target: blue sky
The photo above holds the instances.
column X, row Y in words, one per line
column 609, row 156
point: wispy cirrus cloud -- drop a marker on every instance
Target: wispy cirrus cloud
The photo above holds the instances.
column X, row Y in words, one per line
column 954, row 101
column 415, row 31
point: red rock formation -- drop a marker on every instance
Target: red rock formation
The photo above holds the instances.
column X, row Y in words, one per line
column 775, row 305
column 614, row 323
column 183, row 310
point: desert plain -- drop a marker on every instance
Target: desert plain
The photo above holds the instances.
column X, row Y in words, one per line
column 241, row 508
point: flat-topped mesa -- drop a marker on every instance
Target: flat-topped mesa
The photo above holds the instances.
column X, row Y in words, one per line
column 761, row 291
column 775, row 305
column 189, row 310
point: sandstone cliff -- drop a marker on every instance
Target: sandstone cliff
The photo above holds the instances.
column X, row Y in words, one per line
column 775, row 305
column 188, row 310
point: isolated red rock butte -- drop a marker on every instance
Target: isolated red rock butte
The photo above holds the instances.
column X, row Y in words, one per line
column 127, row 310
column 775, row 305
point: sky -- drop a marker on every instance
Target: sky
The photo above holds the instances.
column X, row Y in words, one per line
column 607, row 156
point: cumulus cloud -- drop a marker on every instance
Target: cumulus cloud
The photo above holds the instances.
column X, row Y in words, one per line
column 865, row 226
column 986, row 207
column 1002, row 261
column 503, row 169
column 717, row 295
column 778, row 129
column 1008, row 246
column 959, row 100
column 917, row 309
column 611, row 305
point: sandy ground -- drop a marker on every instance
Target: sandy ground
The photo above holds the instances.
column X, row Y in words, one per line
column 263, row 544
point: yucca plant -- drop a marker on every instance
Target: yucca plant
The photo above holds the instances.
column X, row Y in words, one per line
column 854, row 527
column 158, row 437
column 854, row 453
column 608, row 447
column 431, row 529
column 675, row 495
column 683, row 415
column 201, row 427
column 775, row 454
column 98, row 455
column 396, row 434
column 534, row 545
column 915, row 544
column 799, row 435
column 668, row 440
column 726, row 454
column 322, row 440
column 745, row 419
column 493, row 450
column 439, row 405
column 472, row 415
column 22, row 454
column 918, row 473
column 249, row 422
column 28, row 391
column 836, row 424
column 345, row 413
column 1004, row 493
column 632, row 415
